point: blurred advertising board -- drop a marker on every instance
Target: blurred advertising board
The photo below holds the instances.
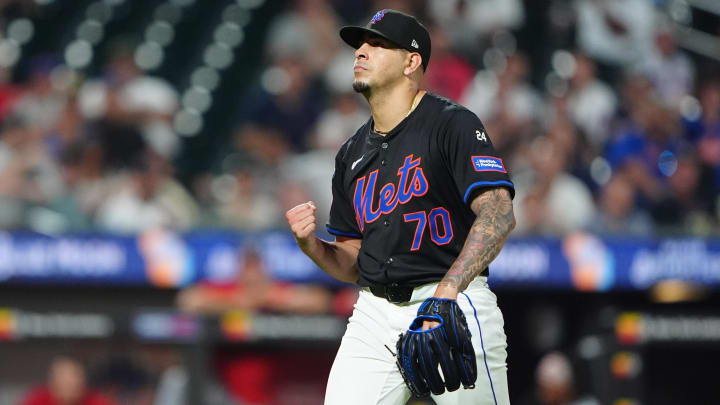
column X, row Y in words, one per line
column 164, row 259
column 169, row 326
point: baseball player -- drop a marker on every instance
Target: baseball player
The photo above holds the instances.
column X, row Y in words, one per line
column 421, row 205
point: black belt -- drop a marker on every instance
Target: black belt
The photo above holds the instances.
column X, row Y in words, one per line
column 396, row 293
column 393, row 292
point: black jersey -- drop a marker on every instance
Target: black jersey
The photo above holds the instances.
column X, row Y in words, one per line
column 407, row 194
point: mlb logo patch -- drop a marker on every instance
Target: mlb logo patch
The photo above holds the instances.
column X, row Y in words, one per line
column 488, row 164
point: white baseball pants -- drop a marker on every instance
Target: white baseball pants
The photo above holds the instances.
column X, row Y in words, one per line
column 365, row 373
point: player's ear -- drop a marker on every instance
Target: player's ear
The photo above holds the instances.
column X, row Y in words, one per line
column 413, row 62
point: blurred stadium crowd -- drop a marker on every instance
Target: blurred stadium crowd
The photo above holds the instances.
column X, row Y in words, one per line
column 607, row 125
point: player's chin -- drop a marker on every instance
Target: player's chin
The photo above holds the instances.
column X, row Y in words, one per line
column 361, row 86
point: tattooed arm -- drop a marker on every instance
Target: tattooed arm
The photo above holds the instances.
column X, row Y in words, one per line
column 494, row 222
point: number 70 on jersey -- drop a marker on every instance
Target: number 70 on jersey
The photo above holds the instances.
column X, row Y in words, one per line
column 438, row 220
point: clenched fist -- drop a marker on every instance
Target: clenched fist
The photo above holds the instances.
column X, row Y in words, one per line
column 302, row 222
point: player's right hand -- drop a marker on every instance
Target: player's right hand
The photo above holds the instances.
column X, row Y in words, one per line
column 302, row 221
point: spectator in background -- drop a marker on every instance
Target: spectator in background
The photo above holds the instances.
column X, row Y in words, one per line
column 67, row 385
column 556, row 124
column 306, row 33
column 669, row 69
column 289, row 99
column 248, row 192
column 339, row 121
column 680, row 208
column 40, row 103
column 69, row 128
column 67, row 145
column 556, row 383
column 80, row 174
column 647, row 131
column 549, row 200
column 591, row 103
column 650, row 152
column 471, row 23
column 28, row 174
column 97, row 159
column 266, row 146
column 29, row 170
column 339, row 72
column 253, row 289
column 570, row 142
column 617, row 212
column 242, row 199
column 615, row 32
column 506, row 102
column 704, row 132
column 135, row 190
column 87, row 178
column 451, row 74
column 147, row 197
column 9, row 92
column 127, row 96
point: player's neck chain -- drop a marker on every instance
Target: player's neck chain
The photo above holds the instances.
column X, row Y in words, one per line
column 414, row 104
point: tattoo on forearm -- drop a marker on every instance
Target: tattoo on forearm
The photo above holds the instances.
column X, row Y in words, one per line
column 495, row 220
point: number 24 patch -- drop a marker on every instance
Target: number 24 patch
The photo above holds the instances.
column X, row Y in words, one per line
column 488, row 164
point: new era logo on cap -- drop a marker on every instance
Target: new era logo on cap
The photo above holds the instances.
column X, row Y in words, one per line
column 414, row 44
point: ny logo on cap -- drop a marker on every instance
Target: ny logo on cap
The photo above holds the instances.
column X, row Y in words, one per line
column 378, row 16
column 414, row 44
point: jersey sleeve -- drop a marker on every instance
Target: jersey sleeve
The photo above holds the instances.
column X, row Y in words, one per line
column 342, row 213
column 471, row 157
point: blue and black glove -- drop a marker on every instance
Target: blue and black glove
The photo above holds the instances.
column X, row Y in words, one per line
column 447, row 346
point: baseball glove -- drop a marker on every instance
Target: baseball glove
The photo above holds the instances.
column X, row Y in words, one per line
column 420, row 352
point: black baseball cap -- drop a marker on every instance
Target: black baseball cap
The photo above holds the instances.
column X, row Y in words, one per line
column 402, row 29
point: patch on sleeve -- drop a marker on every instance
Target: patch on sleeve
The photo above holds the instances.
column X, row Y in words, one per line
column 488, row 164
